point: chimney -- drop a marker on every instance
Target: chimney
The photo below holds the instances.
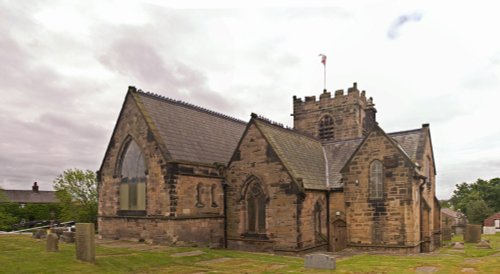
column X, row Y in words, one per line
column 370, row 115
column 35, row 187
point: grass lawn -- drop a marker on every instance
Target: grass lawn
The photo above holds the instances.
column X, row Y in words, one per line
column 22, row 254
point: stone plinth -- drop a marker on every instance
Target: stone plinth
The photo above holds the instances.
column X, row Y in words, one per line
column 85, row 242
column 320, row 261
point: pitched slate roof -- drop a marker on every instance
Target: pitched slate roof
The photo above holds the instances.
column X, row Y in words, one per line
column 450, row 212
column 301, row 155
column 338, row 154
column 191, row 133
column 30, row 196
column 411, row 141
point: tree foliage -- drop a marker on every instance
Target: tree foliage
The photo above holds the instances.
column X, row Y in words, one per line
column 6, row 219
column 477, row 200
column 77, row 193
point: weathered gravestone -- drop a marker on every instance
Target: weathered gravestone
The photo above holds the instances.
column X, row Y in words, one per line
column 68, row 237
column 39, row 233
column 320, row 260
column 85, row 242
column 52, row 243
column 472, row 233
column 483, row 244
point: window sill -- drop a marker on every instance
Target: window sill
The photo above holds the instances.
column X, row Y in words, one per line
column 131, row 213
column 256, row 236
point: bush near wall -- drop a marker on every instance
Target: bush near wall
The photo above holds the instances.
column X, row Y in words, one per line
column 30, row 212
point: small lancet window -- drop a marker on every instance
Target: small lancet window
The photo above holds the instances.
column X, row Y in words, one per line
column 199, row 195
column 212, row 195
column 133, row 178
column 376, row 180
column 326, row 128
column 317, row 221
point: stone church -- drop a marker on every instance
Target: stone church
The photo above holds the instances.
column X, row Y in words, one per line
column 180, row 174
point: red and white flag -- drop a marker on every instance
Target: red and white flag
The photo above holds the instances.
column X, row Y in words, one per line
column 323, row 59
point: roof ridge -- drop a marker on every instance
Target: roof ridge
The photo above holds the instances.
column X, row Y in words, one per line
column 188, row 105
column 281, row 126
column 404, row 131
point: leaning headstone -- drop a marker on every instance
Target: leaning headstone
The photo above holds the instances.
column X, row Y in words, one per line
column 85, row 242
column 320, row 261
column 52, row 243
column 483, row 244
column 472, row 233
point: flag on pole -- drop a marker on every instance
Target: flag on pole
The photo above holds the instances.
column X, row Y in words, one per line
column 323, row 59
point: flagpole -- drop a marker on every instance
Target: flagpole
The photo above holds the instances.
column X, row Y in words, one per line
column 324, row 77
column 323, row 61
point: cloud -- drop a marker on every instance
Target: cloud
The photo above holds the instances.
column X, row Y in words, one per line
column 393, row 32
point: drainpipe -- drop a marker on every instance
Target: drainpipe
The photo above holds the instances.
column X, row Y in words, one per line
column 327, row 194
column 224, row 196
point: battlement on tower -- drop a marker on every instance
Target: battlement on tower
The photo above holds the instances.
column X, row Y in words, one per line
column 348, row 115
column 325, row 99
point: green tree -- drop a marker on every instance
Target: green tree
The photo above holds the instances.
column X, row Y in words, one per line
column 478, row 210
column 77, row 193
column 477, row 200
column 445, row 203
column 6, row 219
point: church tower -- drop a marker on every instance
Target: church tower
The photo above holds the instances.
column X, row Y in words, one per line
column 343, row 117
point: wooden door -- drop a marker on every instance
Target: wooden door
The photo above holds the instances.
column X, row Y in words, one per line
column 339, row 235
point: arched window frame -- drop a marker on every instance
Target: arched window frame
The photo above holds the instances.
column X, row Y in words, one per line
column 317, row 221
column 326, row 128
column 132, row 194
column 255, row 199
column 212, row 195
column 376, row 180
column 199, row 196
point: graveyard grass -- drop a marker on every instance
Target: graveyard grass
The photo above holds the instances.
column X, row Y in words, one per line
column 23, row 254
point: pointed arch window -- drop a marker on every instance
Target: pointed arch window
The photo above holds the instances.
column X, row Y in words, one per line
column 256, row 209
column 133, row 178
column 317, row 221
column 326, row 128
column 376, row 180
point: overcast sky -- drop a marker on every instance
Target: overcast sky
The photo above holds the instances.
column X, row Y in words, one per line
column 65, row 67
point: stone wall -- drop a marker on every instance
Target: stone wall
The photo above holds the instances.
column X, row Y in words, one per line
column 388, row 222
column 166, row 230
column 283, row 201
column 308, row 234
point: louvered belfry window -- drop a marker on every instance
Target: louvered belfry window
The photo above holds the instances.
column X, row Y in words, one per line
column 133, row 182
column 326, row 128
column 376, row 180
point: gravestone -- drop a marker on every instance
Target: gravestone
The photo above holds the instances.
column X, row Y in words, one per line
column 68, row 237
column 39, row 233
column 52, row 243
column 85, row 242
column 320, row 261
column 472, row 233
column 483, row 244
